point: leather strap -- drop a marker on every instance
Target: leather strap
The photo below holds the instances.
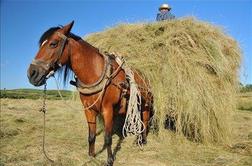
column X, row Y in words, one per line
column 100, row 83
column 59, row 53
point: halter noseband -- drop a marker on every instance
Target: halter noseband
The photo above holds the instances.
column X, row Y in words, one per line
column 54, row 64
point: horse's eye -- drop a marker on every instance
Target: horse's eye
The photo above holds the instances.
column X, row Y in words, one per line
column 53, row 44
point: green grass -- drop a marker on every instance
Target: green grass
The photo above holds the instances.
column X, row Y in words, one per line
column 34, row 94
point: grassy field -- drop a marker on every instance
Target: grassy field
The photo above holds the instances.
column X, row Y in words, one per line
column 34, row 94
column 66, row 139
column 245, row 101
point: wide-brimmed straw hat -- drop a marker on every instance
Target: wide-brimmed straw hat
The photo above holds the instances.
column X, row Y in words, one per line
column 164, row 6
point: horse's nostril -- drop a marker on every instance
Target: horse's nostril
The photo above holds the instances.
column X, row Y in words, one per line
column 33, row 72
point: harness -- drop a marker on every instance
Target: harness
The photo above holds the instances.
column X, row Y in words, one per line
column 54, row 64
column 87, row 89
column 99, row 86
column 105, row 78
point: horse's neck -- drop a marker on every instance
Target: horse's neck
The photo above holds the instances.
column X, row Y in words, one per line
column 86, row 62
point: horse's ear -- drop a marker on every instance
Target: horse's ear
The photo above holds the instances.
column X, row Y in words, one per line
column 67, row 28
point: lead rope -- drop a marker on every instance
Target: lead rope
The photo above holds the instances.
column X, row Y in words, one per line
column 102, row 91
column 58, row 90
column 85, row 108
column 43, row 109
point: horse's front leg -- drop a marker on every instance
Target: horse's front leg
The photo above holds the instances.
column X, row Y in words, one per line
column 108, row 124
column 91, row 120
column 146, row 118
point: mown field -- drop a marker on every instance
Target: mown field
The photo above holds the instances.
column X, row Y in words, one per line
column 66, row 139
column 245, row 101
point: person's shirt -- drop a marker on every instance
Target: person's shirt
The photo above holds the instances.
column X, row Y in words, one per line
column 164, row 16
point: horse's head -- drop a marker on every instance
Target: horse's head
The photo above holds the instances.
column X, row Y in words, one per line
column 53, row 53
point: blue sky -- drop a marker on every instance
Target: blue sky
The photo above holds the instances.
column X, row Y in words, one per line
column 24, row 21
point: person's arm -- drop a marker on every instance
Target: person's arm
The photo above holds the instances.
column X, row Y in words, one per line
column 158, row 17
column 169, row 16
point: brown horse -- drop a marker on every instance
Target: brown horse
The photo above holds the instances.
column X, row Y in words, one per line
column 101, row 80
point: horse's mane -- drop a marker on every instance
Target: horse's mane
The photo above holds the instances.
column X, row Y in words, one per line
column 47, row 34
column 66, row 70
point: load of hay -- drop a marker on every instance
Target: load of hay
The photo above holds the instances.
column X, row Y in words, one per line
column 193, row 70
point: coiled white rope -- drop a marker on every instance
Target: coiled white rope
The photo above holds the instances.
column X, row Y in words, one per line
column 133, row 123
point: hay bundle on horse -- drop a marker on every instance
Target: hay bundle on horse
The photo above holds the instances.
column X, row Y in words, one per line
column 105, row 83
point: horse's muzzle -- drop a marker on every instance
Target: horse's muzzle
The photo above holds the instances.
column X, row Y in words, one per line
column 36, row 75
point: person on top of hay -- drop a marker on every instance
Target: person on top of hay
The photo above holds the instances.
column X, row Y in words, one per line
column 164, row 13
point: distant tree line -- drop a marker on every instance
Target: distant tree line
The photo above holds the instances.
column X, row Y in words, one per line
column 34, row 94
column 246, row 88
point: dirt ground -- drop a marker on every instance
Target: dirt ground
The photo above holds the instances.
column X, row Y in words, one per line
column 66, row 140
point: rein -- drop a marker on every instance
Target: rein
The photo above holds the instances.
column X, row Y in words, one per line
column 98, row 87
column 101, row 84
column 43, row 110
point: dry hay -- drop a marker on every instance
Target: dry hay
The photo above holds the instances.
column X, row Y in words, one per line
column 192, row 67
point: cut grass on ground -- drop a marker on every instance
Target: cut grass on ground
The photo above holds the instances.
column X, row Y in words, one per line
column 245, row 101
column 66, row 140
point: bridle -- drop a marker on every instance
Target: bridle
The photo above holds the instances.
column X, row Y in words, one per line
column 54, row 65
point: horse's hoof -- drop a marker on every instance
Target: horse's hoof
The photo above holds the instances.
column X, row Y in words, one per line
column 110, row 161
column 144, row 142
column 91, row 154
